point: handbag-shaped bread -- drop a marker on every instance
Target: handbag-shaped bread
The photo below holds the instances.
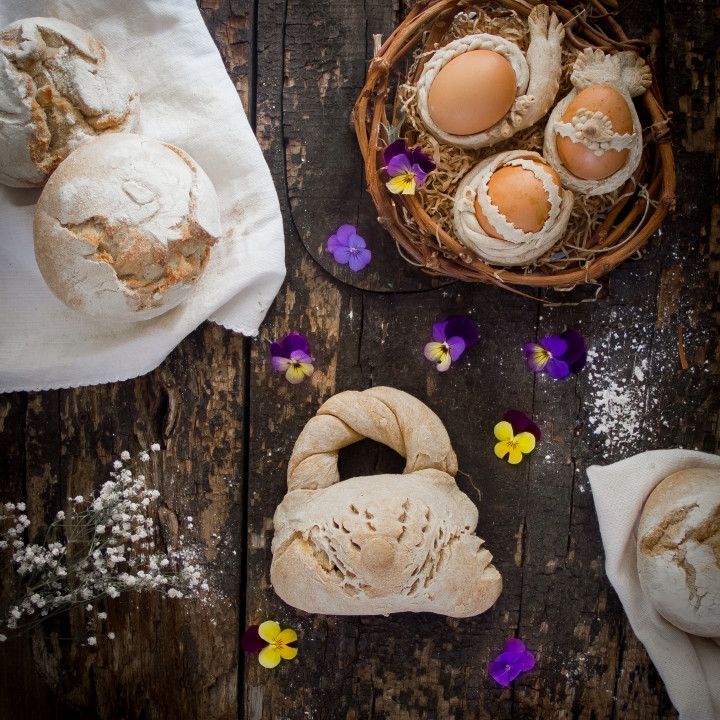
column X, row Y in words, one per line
column 383, row 543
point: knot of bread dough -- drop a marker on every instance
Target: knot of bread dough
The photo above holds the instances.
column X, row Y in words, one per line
column 383, row 414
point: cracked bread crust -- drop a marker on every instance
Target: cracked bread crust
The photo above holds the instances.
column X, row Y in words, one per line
column 678, row 552
column 59, row 88
column 123, row 228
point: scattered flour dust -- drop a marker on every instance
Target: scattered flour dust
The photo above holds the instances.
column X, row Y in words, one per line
column 617, row 404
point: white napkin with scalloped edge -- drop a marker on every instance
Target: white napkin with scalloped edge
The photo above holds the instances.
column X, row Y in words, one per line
column 188, row 100
column 689, row 665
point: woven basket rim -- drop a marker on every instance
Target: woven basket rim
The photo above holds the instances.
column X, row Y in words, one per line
column 433, row 17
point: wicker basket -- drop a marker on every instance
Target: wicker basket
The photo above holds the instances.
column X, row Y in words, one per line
column 620, row 233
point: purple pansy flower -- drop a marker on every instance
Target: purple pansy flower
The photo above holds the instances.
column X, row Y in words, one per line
column 292, row 356
column 450, row 338
column 513, row 660
column 348, row 248
column 407, row 168
column 557, row 355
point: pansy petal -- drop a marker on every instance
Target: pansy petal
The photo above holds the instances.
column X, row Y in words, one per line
column 557, row 368
column 419, row 174
column 457, row 347
column 512, row 646
column 276, row 350
column 342, row 255
column 578, row 365
column 525, row 662
column 287, row 653
column 525, row 442
column 461, row 326
column 515, row 455
column 399, row 165
column 503, row 430
column 288, row 635
column 438, row 331
column 554, row 344
column 502, row 673
column 269, row 630
column 502, row 448
column 444, row 364
column 536, row 356
column 575, row 345
column 297, row 372
column 359, row 259
column 424, row 163
column 281, row 364
column 300, row 356
column 403, row 184
column 435, row 351
column 399, row 147
column 345, row 232
column 522, row 423
column 251, row 642
column 333, row 243
column 295, row 341
column 356, row 241
column 269, row 657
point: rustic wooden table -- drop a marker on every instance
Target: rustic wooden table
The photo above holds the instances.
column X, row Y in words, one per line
column 227, row 424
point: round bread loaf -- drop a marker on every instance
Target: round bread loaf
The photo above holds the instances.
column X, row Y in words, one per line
column 124, row 226
column 59, row 87
column 678, row 552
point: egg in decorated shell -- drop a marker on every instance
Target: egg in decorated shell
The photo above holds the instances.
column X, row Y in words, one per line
column 593, row 139
column 511, row 208
column 481, row 88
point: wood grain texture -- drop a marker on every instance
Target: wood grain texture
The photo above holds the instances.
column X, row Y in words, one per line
column 297, row 66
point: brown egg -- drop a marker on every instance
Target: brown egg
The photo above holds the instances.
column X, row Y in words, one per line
column 472, row 92
column 581, row 160
column 520, row 197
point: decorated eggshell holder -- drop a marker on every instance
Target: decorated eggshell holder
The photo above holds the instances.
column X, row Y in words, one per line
column 516, row 247
column 537, row 75
column 385, row 543
column 629, row 75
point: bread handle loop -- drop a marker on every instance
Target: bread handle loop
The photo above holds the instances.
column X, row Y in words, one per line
column 383, row 414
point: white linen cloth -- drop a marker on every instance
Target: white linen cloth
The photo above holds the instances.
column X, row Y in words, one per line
column 689, row 665
column 187, row 99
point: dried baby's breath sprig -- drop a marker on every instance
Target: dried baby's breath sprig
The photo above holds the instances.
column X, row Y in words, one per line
column 108, row 549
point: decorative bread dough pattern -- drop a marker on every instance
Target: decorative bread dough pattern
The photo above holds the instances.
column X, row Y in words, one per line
column 59, row 87
column 538, row 78
column 385, row 543
column 630, row 76
column 518, row 247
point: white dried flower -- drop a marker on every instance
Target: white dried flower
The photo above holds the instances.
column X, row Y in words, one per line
column 111, row 636
column 78, row 499
column 92, row 641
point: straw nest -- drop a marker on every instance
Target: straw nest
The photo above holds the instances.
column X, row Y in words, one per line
column 603, row 230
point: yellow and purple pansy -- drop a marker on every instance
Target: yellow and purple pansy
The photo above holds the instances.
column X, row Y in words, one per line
column 450, row 339
column 292, row 356
column 407, row 168
column 557, row 355
column 517, row 435
column 270, row 643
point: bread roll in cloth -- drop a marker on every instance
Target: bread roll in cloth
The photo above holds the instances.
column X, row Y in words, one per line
column 59, row 88
column 384, row 543
column 679, row 550
column 124, row 227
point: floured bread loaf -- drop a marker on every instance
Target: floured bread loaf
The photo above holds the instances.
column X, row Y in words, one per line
column 124, row 227
column 385, row 543
column 678, row 550
column 59, row 88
